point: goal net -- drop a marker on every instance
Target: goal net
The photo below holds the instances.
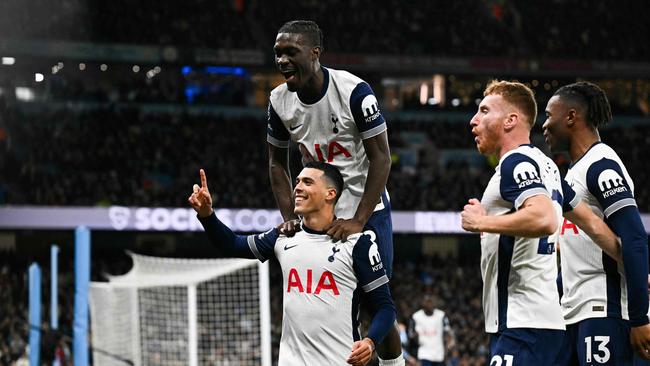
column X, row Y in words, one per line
column 169, row 311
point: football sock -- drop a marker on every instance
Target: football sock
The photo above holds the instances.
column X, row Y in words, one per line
column 399, row 361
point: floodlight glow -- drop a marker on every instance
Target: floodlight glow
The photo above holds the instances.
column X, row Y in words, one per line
column 25, row 94
column 38, row 77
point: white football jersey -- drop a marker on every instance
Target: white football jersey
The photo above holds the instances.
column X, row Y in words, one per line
column 430, row 330
column 320, row 305
column 331, row 130
column 593, row 284
column 519, row 287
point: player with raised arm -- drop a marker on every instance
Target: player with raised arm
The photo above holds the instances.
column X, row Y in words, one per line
column 320, row 278
column 518, row 217
column 605, row 305
column 334, row 117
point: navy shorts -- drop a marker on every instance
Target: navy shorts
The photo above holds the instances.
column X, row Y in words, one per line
column 640, row 362
column 381, row 224
column 597, row 341
column 525, row 346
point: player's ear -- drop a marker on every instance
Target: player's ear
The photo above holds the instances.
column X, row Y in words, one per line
column 330, row 196
column 571, row 117
column 512, row 119
column 316, row 52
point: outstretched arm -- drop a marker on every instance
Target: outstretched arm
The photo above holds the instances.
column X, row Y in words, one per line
column 219, row 234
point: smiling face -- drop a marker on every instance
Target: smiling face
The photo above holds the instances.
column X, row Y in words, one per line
column 312, row 192
column 487, row 124
column 556, row 130
column 296, row 59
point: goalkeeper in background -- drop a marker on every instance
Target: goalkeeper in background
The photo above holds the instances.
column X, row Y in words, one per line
column 320, row 304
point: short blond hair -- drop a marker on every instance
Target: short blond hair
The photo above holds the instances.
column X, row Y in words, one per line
column 517, row 94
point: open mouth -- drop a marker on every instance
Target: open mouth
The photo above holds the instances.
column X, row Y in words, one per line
column 288, row 75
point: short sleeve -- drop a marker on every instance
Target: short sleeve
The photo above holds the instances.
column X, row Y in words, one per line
column 276, row 133
column 367, row 263
column 262, row 245
column 606, row 181
column 520, row 179
column 365, row 110
column 445, row 323
column 571, row 200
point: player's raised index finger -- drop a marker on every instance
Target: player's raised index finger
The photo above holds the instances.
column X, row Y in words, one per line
column 204, row 180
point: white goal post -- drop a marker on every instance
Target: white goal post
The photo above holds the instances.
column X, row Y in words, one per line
column 170, row 311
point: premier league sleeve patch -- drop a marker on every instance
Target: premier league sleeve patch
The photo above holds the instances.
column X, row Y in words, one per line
column 606, row 181
column 520, row 179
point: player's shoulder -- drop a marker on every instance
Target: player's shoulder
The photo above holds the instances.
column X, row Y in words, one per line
column 364, row 245
column 279, row 90
column 599, row 158
column 280, row 95
column 346, row 82
column 595, row 153
column 362, row 240
column 524, row 158
column 343, row 76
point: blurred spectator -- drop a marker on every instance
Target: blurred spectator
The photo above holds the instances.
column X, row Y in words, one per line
column 431, row 332
column 124, row 156
column 484, row 28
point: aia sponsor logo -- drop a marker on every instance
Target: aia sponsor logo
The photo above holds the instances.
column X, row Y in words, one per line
column 569, row 225
column 308, row 284
column 324, row 153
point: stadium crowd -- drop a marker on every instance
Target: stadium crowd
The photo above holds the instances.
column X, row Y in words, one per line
column 123, row 156
column 443, row 28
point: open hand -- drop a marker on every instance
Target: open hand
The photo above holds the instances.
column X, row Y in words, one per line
column 200, row 199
